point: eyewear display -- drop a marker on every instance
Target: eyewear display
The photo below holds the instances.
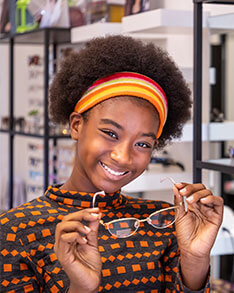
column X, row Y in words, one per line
column 35, row 161
column 35, row 87
column 34, row 189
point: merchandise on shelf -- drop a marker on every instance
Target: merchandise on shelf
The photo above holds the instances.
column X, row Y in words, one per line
column 24, row 20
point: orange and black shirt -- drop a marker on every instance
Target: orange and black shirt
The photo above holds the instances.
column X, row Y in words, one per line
column 144, row 262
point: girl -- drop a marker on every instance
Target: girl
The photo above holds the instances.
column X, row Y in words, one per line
column 123, row 99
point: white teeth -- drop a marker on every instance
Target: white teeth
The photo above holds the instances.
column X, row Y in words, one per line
column 112, row 171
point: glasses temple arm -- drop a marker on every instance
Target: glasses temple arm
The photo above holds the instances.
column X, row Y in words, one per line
column 173, row 182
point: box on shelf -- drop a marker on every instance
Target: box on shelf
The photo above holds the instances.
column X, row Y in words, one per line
column 138, row 6
column 92, row 11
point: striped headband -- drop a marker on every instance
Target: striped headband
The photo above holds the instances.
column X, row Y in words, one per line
column 126, row 84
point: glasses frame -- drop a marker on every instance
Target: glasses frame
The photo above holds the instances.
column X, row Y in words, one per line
column 148, row 220
column 107, row 225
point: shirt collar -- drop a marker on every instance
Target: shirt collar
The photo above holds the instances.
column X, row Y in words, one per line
column 85, row 199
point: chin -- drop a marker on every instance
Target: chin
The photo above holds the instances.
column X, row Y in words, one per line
column 109, row 188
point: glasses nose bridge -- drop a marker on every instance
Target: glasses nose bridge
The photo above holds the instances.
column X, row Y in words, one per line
column 143, row 220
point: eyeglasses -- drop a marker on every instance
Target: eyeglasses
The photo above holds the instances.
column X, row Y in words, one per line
column 126, row 227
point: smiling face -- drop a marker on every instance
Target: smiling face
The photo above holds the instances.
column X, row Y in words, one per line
column 114, row 145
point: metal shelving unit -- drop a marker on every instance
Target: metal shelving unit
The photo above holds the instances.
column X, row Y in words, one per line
column 217, row 165
column 45, row 37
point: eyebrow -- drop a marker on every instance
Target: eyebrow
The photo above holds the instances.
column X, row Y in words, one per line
column 150, row 134
column 117, row 125
column 109, row 121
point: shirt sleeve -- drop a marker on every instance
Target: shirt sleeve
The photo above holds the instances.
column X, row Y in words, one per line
column 206, row 288
column 172, row 272
column 15, row 273
column 27, row 259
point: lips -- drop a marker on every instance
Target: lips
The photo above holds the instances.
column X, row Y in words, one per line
column 112, row 172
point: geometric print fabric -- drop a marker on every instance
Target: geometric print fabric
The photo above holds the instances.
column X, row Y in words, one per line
column 144, row 262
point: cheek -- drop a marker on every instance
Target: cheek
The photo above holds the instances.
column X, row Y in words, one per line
column 91, row 148
column 143, row 160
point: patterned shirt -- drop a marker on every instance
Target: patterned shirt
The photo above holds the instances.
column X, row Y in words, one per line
column 144, row 262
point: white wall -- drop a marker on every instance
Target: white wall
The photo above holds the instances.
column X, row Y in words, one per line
column 229, row 77
column 188, row 5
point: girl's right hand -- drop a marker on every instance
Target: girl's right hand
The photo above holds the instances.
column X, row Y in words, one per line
column 76, row 247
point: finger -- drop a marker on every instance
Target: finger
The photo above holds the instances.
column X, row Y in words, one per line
column 78, row 216
column 215, row 201
column 195, row 197
column 74, row 237
column 191, row 188
column 63, row 248
column 71, row 226
column 180, row 185
column 64, row 244
column 92, row 237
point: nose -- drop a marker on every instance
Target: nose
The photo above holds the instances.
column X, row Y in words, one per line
column 122, row 154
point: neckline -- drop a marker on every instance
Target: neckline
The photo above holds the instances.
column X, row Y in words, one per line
column 85, row 199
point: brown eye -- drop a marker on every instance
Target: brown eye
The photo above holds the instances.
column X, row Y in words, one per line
column 144, row 145
column 110, row 133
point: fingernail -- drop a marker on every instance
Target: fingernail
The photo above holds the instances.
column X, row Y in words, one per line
column 87, row 228
column 85, row 240
column 179, row 185
column 190, row 199
column 183, row 191
column 95, row 215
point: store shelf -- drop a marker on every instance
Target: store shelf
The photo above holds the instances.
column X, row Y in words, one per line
column 160, row 21
column 150, row 181
column 222, row 165
column 34, row 135
column 37, row 36
column 4, row 131
column 46, row 37
column 4, row 38
column 213, row 131
column 87, row 32
column 116, row 2
column 221, row 24
column 220, row 131
column 62, row 136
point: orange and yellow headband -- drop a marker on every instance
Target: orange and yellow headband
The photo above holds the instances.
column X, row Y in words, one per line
column 126, row 84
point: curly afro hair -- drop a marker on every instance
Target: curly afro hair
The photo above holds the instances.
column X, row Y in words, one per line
column 107, row 55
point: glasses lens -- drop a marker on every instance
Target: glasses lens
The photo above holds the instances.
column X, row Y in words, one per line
column 123, row 228
column 164, row 218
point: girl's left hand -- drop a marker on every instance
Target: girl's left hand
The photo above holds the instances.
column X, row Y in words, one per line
column 197, row 228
